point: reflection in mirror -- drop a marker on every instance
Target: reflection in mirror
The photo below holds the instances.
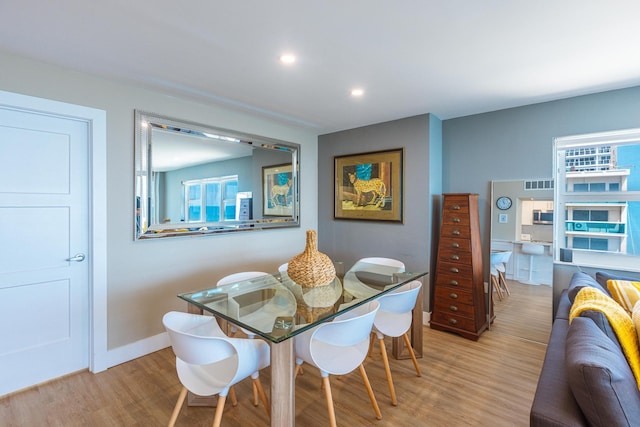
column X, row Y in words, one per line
column 521, row 280
column 193, row 179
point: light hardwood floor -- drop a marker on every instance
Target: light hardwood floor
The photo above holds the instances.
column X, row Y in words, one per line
column 490, row 382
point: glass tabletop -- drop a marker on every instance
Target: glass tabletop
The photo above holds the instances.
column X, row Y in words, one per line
column 276, row 308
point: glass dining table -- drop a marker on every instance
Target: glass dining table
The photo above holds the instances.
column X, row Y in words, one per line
column 277, row 309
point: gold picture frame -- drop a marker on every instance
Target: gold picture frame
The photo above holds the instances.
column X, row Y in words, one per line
column 368, row 186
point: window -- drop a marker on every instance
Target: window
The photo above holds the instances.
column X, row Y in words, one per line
column 598, row 188
column 211, row 199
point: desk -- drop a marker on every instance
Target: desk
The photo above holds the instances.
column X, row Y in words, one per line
column 277, row 309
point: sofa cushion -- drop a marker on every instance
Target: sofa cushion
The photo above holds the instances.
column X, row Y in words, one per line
column 580, row 280
column 619, row 319
column 553, row 403
column 625, row 292
column 602, row 278
column 600, row 378
column 635, row 317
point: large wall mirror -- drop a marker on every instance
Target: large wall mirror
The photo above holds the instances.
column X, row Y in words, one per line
column 522, row 215
column 193, row 180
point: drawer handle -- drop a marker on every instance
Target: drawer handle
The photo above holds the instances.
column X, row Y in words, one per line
column 456, row 232
column 454, row 270
column 453, row 295
column 453, row 321
column 453, row 308
column 455, row 257
column 455, row 245
column 455, row 207
column 456, row 219
column 453, row 282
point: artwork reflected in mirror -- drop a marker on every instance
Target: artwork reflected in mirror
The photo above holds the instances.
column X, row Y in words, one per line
column 194, row 179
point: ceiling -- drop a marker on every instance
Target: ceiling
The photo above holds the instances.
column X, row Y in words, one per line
column 448, row 57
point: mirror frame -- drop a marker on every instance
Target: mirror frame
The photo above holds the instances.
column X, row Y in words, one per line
column 143, row 142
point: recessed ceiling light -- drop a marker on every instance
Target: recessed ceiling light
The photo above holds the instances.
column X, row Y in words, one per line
column 357, row 92
column 287, row 58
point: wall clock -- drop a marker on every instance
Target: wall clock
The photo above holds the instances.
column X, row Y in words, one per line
column 503, row 203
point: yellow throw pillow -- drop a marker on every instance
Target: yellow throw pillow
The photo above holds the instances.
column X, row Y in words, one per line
column 635, row 316
column 625, row 292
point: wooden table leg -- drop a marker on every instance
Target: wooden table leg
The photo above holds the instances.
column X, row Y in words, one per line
column 415, row 333
column 283, row 405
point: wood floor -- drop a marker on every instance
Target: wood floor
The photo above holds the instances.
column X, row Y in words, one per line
column 490, row 382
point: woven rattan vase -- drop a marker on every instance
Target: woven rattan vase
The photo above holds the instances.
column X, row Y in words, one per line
column 311, row 268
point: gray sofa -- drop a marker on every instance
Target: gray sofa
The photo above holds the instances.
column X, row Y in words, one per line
column 585, row 378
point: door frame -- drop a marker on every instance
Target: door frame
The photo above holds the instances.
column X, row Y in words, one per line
column 97, row 174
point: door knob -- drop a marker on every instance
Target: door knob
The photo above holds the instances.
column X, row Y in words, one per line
column 77, row 258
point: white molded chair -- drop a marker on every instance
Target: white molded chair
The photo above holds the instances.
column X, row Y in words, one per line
column 339, row 347
column 498, row 267
column 237, row 277
column 394, row 320
column 208, row 362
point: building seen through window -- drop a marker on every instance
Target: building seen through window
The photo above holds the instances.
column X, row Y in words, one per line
column 598, row 198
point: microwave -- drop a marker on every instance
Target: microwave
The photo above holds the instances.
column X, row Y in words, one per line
column 542, row 217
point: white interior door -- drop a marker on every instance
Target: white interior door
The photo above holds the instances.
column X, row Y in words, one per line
column 44, row 226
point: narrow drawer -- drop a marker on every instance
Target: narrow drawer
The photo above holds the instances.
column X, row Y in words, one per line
column 446, row 296
column 455, row 270
column 453, row 320
column 455, row 218
column 456, row 231
column 455, row 243
column 456, row 204
column 454, row 256
column 458, row 282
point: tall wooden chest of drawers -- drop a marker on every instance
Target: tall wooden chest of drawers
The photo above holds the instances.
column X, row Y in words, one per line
column 459, row 298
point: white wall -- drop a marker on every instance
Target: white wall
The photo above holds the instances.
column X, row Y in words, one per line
column 144, row 277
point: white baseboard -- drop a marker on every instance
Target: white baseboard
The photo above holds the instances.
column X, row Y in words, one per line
column 137, row 349
column 426, row 318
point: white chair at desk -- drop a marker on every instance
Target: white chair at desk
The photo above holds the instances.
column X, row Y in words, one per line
column 531, row 249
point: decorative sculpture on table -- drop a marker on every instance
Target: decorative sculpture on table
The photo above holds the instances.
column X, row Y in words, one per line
column 311, row 268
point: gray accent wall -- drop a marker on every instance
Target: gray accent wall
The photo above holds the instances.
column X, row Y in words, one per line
column 411, row 241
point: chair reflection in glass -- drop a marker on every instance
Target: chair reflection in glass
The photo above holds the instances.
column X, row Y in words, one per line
column 498, row 261
column 208, row 362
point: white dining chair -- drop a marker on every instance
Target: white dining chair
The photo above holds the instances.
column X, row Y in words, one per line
column 393, row 319
column 208, row 362
column 379, row 267
column 238, row 277
column 498, row 261
column 338, row 348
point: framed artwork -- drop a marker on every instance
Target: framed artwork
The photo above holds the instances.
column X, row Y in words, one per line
column 276, row 190
column 368, row 186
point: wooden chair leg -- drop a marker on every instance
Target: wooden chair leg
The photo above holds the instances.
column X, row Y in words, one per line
column 372, row 341
column 217, row 419
column 232, row 394
column 255, row 394
column 496, row 285
column 327, row 392
column 387, row 369
column 372, row 397
column 412, row 354
column 263, row 396
column 503, row 281
column 176, row 409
